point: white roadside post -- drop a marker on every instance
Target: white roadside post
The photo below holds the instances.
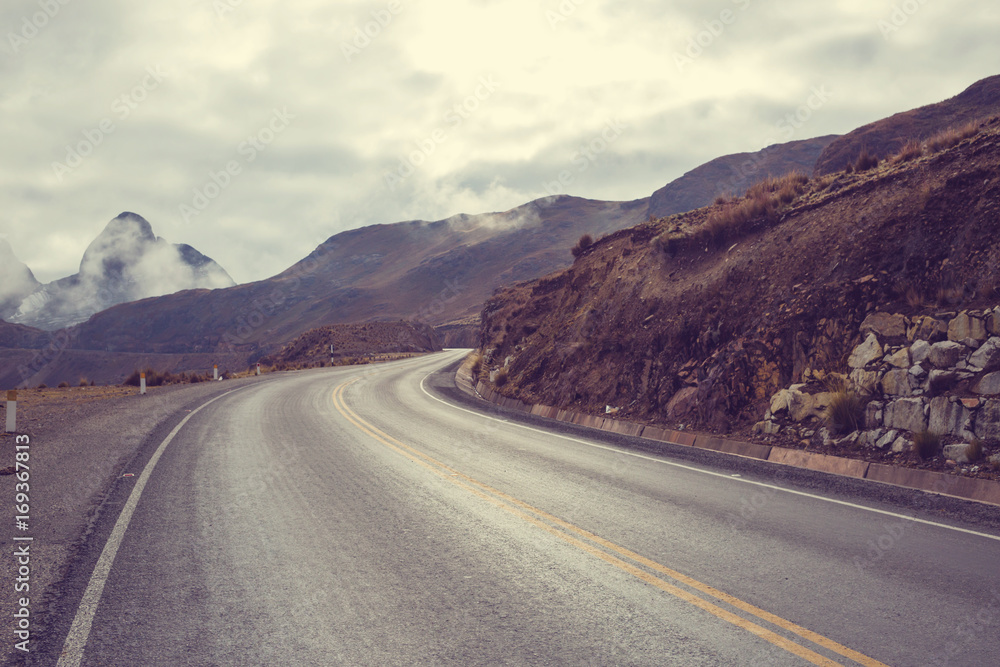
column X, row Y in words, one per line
column 258, row 369
column 142, row 383
column 215, row 372
column 331, row 355
column 12, row 411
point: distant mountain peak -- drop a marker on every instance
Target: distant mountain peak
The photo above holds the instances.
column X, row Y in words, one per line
column 126, row 262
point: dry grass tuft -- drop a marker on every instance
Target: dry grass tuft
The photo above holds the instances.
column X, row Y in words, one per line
column 912, row 150
column 866, row 161
column 581, row 246
column 974, row 451
column 927, row 445
column 952, row 137
column 761, row 203
column 846, row 412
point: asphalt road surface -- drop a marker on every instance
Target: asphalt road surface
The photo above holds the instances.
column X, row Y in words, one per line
column 358, row 516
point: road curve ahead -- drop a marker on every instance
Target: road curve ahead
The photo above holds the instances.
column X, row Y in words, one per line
column 358, row 516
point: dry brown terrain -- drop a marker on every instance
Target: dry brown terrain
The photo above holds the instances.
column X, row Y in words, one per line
column 662, row 307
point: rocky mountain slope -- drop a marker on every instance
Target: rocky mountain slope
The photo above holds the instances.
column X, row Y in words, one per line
column 350, row 341
column 887, row 136
column 126, row 262
column 700, row 319
column 732, row 175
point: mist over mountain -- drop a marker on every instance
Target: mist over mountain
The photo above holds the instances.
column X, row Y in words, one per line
column 16, row 280
column 126, row 262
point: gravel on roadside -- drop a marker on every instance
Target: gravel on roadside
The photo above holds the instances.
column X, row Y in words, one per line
column 81, row 441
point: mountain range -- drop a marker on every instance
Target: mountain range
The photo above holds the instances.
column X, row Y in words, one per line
column 437, row 273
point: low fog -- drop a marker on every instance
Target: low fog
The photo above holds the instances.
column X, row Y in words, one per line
column 125, row 263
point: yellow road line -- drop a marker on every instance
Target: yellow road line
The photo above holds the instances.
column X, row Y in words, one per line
column 519, row 508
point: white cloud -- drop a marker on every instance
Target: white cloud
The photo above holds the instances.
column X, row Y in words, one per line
column 354, row 121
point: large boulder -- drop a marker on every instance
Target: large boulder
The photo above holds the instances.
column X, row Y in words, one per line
column 987, row 357
column 863, row 381
column 898, row 383
column 927, row 328
column 988, row 421
column 946, row 354
column 993, row 321
column 885, row 325
column 906, row 414
column 988, row 385
column 866, row 352
column 957, row 453
column 900, row 359
column 683, row 402
column 919, row 352
column 948, row 418
column 966, row 326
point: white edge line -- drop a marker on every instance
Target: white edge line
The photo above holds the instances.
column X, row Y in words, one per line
column 79, row 631
column 708, row 472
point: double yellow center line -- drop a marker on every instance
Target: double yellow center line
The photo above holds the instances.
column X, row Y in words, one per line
column 654, row 573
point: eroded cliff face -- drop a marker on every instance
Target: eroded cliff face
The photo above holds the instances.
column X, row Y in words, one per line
column 675, row 323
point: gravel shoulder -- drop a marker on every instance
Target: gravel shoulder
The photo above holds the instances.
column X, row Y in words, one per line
column 81, row 441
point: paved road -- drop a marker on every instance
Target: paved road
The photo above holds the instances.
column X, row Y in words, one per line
column 357, row 516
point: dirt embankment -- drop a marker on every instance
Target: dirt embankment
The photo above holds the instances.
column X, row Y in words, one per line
column 675, row 324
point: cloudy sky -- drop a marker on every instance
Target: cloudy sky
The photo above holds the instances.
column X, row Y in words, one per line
column 255, row 129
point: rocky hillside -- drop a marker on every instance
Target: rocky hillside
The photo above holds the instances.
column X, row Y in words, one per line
column 699, row 320
column 126, row 262
column 888, row 136
column 734, row 174
column 351, row 341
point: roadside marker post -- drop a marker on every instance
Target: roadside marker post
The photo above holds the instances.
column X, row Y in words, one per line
column 142, row 383
column 258, row 369
column 215, row 372
column 12, row 411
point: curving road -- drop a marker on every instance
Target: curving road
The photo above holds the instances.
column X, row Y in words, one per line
column 361, row 516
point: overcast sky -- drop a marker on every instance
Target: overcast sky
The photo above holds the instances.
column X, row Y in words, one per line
column 255, row 129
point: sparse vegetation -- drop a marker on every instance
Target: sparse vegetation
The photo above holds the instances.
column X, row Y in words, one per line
column 866, row 161
column 760, row 203
column 952, row 137
column 501, row 377
column 84, row 382
column 926, row 444
column 912, row 150
column 63, row 385
column 974, row 451
column 581, row 246
column 846, row 412
column 477, row 365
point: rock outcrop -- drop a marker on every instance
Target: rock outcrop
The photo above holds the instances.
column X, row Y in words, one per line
column 948, row 388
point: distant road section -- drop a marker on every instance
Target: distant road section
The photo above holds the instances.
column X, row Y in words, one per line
column 358, row 516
